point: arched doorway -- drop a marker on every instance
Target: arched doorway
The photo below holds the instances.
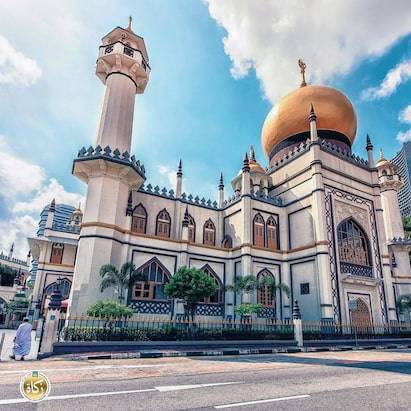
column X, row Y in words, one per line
column 361, row 317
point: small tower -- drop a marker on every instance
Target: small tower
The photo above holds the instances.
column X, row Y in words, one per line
column 221, row 191
column 370, row 152
column 50, row 214
column 245, row 179
column 390, row 183
column 312, row 118
column 28, row 258
column 77, row 217
column 179, row 184
column 185, row 224
column 11, row 251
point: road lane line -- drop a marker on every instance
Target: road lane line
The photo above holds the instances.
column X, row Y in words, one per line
column 193, row 386
column 240, row 404
column 65, row 397
column 164, row 388
column 97, row 367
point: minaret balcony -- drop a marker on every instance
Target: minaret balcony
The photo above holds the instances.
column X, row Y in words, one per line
column 96, row 161
column 119, row 57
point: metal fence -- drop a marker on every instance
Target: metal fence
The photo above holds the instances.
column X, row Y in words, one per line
column 152, row 329
column 328, row 330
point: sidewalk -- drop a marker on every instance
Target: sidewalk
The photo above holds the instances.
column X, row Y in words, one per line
column 213, row 353
column 8, row 345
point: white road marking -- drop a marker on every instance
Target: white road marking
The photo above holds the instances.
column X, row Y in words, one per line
column 164, row 388
column 65, row 397
column 240, row 404
column 192, row 386
column 96, row 367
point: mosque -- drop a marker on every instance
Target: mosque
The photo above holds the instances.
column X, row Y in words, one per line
column 318, row 218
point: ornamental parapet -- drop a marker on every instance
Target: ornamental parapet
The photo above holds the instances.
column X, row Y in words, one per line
column 345, row 154
column 114, row 156
column 66, row 228
column 5, row 257
column 259, row 195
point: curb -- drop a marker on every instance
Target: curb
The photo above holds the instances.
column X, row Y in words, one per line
column 233, row 351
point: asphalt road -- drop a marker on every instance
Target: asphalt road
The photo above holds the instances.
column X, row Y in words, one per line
column 361, row 380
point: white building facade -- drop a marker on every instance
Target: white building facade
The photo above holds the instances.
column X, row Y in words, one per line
column 318, row 218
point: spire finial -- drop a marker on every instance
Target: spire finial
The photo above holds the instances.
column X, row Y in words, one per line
column 221, row 183
column 252, row 153
column 381, row 154
column 180, row 169
column 129, row 209
column 246, row 163
column 303, row 66
column 186, row 220
column 130, row 20
column 369, row 145
column 312, row 116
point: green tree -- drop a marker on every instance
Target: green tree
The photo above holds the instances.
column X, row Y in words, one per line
column 109, row 310
column 406, row 221
column 121, row 280
column 190, row 285
column 247, row 285
column 7, row 275
column 404, row 303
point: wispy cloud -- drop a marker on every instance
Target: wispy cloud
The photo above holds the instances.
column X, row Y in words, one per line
column 25, row 190
column 394, row 78
column 169, row 173
column 15, row 67
column 269, row 36
column 405, row 117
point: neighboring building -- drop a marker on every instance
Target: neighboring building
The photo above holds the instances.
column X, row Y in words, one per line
column 54, row 252
column 403, row 161
column 318, row 218
column 8, row 289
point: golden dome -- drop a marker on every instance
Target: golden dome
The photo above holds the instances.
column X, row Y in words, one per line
column 382, row 161
column 290, row 117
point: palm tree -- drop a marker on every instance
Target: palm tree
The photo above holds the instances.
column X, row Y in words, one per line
column 248, row 284
column 121, row 279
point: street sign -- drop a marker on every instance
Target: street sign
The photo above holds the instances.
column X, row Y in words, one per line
column 352, row 305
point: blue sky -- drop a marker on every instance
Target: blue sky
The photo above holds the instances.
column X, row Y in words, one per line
column 218, row 66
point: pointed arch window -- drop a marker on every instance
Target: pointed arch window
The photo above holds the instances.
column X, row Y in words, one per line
column 217, row 298
column 163, row 224
column 259, row 228
column 209, row 233
column 57, row 250
column 152, row 288
column 191, row 229
column 265, row 295
column 139, row 220
column 352, row 244
column 272, row 236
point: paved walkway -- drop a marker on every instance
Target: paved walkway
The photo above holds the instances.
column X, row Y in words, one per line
column 8, row 345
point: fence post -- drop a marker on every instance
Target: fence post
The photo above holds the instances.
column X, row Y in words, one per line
column 298, row 328
column 50, row 333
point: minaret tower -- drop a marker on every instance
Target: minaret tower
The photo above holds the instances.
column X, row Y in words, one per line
column 108, row 169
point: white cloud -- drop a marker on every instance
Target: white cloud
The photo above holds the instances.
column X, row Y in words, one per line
column 405, row 117
column 43, row 197
column 331, row 37
column 16, row 230
column 15, row 67
column 17, row 175
column 169, row 173
column 396, row 76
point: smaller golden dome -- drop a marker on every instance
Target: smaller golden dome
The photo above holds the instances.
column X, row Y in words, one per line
column 382, row 161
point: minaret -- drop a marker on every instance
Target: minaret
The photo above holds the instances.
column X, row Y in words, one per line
column 11, row 251
column 312, row 118
column 390, row 183
column 108, row 169
column 50, row 214
column 221, row 191
column 179, row 185
column 370, row 152
column 28, row 258
column 245, row 179
column 123, row 68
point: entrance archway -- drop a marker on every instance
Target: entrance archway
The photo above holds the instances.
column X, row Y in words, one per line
column 361, row 316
